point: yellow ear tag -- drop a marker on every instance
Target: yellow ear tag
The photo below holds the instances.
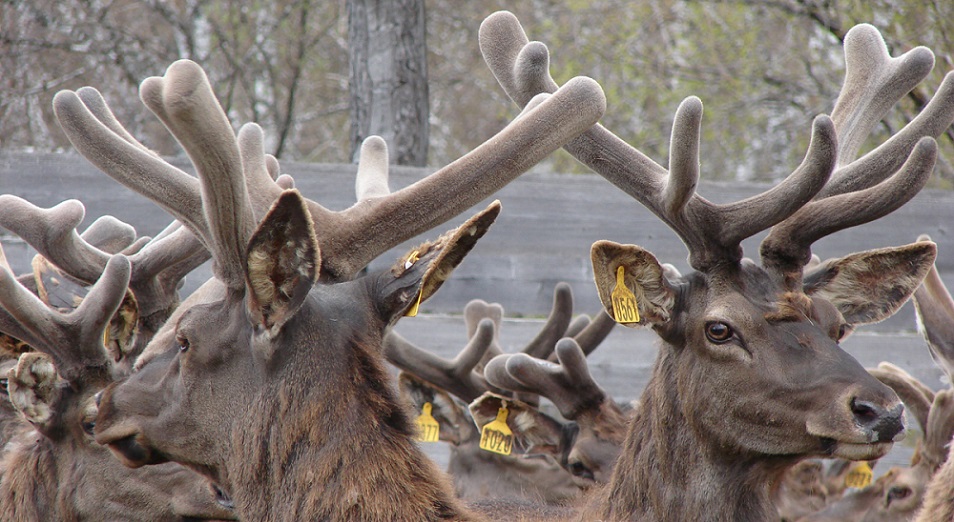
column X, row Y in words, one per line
column 428, row 430
column 860, row 476
column 412, row 311
column 625, row 310
column 496, row 436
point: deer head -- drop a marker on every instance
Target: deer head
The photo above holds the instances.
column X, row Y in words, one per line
column 533, row 471
column 52, row 468
column 567, row 383
column 159, row 264
column 900, row 492
column 273, row 383
column 750, row 378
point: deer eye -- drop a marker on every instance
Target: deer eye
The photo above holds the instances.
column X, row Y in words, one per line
column 577, row 468
column 718, row 332
column 898, row 493
column 183, row 344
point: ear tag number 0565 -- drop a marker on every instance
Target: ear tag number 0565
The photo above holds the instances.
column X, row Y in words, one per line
column 625, row 310
column 496, row 436
column 428, row 430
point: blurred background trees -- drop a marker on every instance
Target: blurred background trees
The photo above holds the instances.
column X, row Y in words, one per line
column 763, row 69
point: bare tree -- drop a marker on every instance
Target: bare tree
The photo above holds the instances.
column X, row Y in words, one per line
column 389, row 94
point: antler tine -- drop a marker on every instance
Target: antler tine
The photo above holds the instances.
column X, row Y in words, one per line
column 371, row 180
column 52, row 232
column 568, row 384
column 109, row 234
column 128, row 162
column 595, row 332
column 712, row 233
column 184, row 101
column 787, row 248
column 939, row 428
column 347, row 245
column 935, row 315
column 577, row 325
column 73, row 340
column 555, row 327
column 913, row 393
column 456, row 376
column 259, row 176
column 874, row 82
column 160, row 265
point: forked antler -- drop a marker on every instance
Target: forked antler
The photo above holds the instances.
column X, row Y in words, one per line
column 158, row 264
column 568, row 384
column 73, row 340
column 463, row 376
column 935, row 315
column 349, row 239
column 915, row 395
column 856, row 192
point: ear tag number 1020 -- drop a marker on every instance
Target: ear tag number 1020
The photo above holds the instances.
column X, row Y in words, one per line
column 625, row 309
column 496, row 436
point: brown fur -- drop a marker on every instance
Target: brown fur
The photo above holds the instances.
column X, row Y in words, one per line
column 282, row 397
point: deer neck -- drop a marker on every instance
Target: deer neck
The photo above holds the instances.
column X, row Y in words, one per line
column 669, row 471
column 331, row 442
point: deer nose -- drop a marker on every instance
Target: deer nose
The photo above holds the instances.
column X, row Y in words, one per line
column 884, row 425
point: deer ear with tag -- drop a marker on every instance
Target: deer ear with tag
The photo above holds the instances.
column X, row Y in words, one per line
column 632, row 284
column 418, row 275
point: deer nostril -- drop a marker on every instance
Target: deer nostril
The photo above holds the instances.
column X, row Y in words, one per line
column 884, row 425
column 866, row 412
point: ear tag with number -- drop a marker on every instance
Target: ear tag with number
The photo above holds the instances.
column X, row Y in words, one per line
column 428, row 430
column 412, row 311
column 860, row 476
column 625, row 310
column 496, row 436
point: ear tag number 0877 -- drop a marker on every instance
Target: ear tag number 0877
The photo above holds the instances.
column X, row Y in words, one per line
column 860, row 476
column 496, row 436
column 625, row 309
column 428, row 430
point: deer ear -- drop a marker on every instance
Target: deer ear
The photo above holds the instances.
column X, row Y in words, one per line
column 454, row 422
column 282, row 262
column 869, row 286
column 418, row 275
column 32, row 387
column 642, row 275
column 534, row 432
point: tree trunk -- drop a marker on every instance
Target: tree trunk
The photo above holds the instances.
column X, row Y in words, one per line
column 389, row 97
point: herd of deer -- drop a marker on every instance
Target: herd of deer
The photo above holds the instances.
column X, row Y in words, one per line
column 265, row 394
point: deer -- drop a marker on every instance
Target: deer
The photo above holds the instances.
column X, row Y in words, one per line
column 935, row 318
column 159, row 264
column 51, row 468
column 538, row 472
column 272, row 383
column 899, row 493
column 749, row 378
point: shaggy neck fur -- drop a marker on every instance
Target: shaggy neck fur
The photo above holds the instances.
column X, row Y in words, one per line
column 667, row 472
column 334, row 443
column 28, row 476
